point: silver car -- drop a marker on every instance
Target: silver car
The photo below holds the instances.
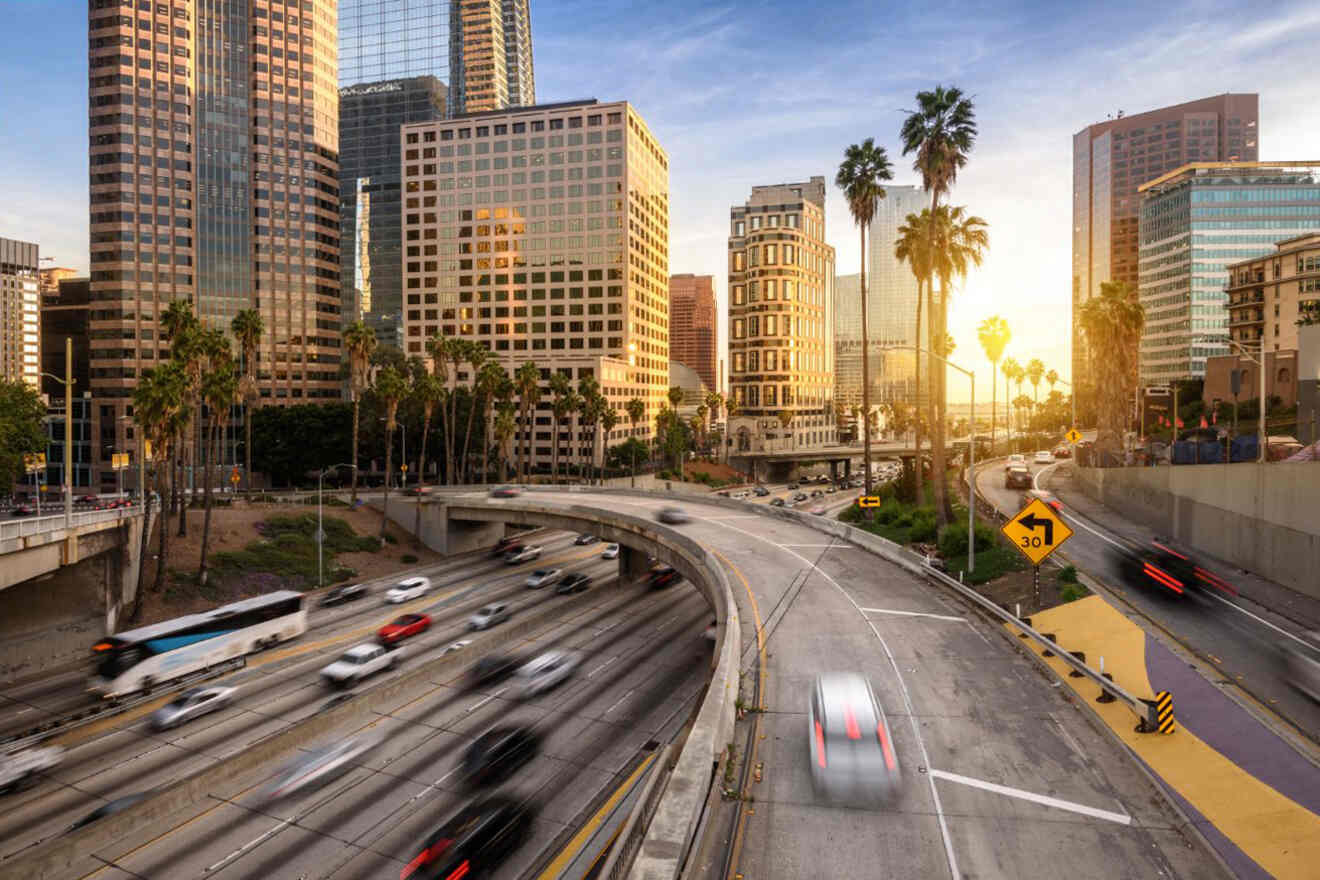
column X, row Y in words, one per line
column 1302, row 666
column 674, row 516
column 611, row 551
column 543, row 576
column 318, row 766
column 496, row 612
column 192, row 704
column 545, row 671
column 853, row 757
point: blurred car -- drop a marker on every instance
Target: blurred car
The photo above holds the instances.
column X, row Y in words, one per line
column 22, row 509
column 673, row 516
column 340, row 595
column 1018, row 477
column 817, row 510
column 852, row 751
column 762, row 491
column 472, row 842
column 585, row 539
column 776, row 502
column 21, row 769
column 522, row 553
column 611, row 551
column 498, row 752
column 504, row 545
column 711, row 631
column 505, row 492
column 543, row 576
column 791, row 487
column 1041, row 495
column 493, row 668
column 109, row 808
column 454, row 647
column 359, row 662
column 1043, row 457
column 1016, row 458
column 545, row 671
column 192, row 703
column 1302, row 666
column 831, row 489
column 573, row 582
column 85, row 499
column 1156, row 566
column 406, row 589
column 664, row 576
column 1062, row 451
column 799, row 497
column 489, row 615
column 404, row 627
column 817, row 493
column 823, row 478
column 314, row 768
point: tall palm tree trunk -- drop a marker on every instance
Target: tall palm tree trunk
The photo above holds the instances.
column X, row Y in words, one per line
column 144, row 546
column 202, row 571
column 389, row 462
column 994, row 387
column 162, row 553
column 944, row 503
column 449, row 433
column 247, row 446
column 189, row 455
column 421, row 481
column 866, row 374
column 554, row 447
column 485, row 446
column 467, row 437
column 356, row 405
column 916, row 423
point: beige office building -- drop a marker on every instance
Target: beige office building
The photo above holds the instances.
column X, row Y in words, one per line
column 214, row 178
column 490, row 55
column 781, row 351
column 20, row 312
column 543, row 234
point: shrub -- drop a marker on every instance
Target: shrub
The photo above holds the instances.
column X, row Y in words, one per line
column 1067, row 575
column 390, row 539
column 923, row 526
column 408, row 557
column 852, row 514
column 889, row 511
column 1073, row 592
column 953, row 540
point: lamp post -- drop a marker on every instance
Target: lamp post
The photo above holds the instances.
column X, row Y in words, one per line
column 320, row 532
column 1260, row 364
column 971, row 450
column 67, row 382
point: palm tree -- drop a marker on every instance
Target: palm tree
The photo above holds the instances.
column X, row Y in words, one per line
column 564, row 403
column 219, row 391
column 528, row 382
column 636, row 410
column 731, row 409
column 702, row 410
column 941, row 132
column 1035, row 372
column 1112, row 322
column 505, row 427
column 994, row 334
column 1009, row 368
column 359, row 342
column 675, row 396
column 184, row 332
column 437, row 348
column 247, row 328
column 913, row 246
column 1050, row 378
column 491, row 378
column 864, row 166
column 476, row 356
column 590, row 404
column 390, row 388
column 609, row 420
column 428, row 392
column 157, row 401
column 1019, row 374
column 453, row 350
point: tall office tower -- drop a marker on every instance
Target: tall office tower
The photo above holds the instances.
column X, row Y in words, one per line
column 49, row 278
column 781, row 303
column 65, row 309
column 214, row 179
column 692, row 325
column 518, row 52
column 20, row 307
column 1112, row 158
column 478, row 56
column 543, row 234
column 848, row 341
column 1195, row 222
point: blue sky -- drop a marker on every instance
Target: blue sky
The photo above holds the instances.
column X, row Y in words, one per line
column 752, row 93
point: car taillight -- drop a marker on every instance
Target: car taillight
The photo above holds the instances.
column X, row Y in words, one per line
column 1163, row 577
column 820, row 745
column 460, row 871
column 428, row 855
column 883, row 735
column 850, row 723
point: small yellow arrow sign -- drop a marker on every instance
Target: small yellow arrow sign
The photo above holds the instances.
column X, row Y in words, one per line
column 1073, row 436
column 868, row 501
column 1037, row 531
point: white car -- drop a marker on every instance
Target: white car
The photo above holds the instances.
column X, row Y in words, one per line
column 611, row 551
column 496, row 612
column 407, row 589
column 21, row 768
column 318, row 766
column 543, row 576
column 545, row 671
column 1016, row 458
column 524, row 554
column 191, row 704
column 1044, row 457
column 359, row 662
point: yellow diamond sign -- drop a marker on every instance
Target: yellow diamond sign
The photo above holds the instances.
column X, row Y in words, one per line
column 1073, row 436
column 1037, row 531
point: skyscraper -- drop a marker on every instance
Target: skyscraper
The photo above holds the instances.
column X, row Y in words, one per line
column 1111, row 159
column 214, row 178
column 781, row 301
column 692, row 325
column 542, row 233
column 1195, row 222
column 20, row 307
column 518, row 53
column 490, row 55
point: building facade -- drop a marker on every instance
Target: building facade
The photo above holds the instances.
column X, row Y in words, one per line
column 1111, row 159
column 781, row 300
column 518, row 53
column 20, row 312
column 490, row 55
column 1268, row 295
column 543, row 234
column 692, row 325
column 1195, row 222
column 214, row 179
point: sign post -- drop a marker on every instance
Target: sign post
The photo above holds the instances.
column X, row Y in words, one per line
column 1037, row 531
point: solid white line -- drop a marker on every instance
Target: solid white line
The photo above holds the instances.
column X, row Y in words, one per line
column 831, row 546
column 1282, row 632
column 593, row 672
column 914, row 614
column 1045, row 800
column 471, row 709
column 254, row 842
column 620, row 700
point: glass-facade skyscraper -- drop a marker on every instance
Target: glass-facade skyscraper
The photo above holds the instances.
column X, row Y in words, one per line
column 1195, row 221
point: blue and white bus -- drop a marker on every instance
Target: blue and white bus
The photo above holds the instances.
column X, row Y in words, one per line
column 140, row 659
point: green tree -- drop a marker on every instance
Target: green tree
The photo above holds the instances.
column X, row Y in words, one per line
column 636, row 411
column 247, row 328
column 1009, row 368
column 427, row 391
column 609, row 420
column 527, row 381
column 183, row 330
column 913, row 246
column 505, row 427
column 476, row 356
column 994, row 335
column 160, row 408
column 491, row 379
column 1112, row 322
column 22, row 428
column 1035, row 372
column 564, row 402
column 590, row 406
column 864, row 166
column 219, row 392
column 390, row 388
column 675, row 397
column 359, row 342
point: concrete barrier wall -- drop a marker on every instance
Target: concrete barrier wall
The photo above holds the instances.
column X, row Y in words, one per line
column 1263, row 518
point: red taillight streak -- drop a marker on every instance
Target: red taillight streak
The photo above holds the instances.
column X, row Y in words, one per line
column 424, row 857
column 884, row 744
column 850, row 723
column 1170, row 550
column 1215, row 581
column 460, row 871
column 1163, row 578
column 820, row 745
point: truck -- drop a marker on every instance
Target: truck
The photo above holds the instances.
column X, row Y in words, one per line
column 20, row 769
column 359, row 662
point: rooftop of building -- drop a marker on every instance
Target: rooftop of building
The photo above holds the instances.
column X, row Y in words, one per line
column 1283, row 248
column 1123, row 120
column 1193, row 169
column 532, row 108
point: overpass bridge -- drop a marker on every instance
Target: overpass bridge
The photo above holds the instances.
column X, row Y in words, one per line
column 775, row 466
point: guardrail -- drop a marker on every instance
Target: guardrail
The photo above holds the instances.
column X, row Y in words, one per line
column 634, row 829
column 27, row 527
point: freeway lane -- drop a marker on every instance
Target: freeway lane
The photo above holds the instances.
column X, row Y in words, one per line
column 960, row 702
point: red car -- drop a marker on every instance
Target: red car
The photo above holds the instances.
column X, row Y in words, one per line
column 403, row 627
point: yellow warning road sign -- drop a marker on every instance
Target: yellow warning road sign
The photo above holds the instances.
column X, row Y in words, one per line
column 1073, row 436
column 1037, row 531
column 868, row 501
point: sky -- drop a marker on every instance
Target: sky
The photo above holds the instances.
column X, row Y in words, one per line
column 743, row 94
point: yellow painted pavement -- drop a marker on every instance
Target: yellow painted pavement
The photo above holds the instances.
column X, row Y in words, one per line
column 1280, row 835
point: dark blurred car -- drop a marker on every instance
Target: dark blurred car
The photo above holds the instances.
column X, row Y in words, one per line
column 346, row 593
column 799, row 497
column 574, row 582
column 776, row 502
column 665, row 576
column 1302, row 666
column 505, row 492
column 403, row 627
column 817, row 493
column 22, row 510
column 1018, row 477
column 673, row 516
column 85, row 499
column 1170, row 570
column 762, row 491
column 497, row 753
column 473, row 842
column 109, row 808
column 792, row 486
column 493, row 668
column 585, row 539
column 504, row 545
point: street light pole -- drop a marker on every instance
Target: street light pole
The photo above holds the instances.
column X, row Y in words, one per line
column 68, row 430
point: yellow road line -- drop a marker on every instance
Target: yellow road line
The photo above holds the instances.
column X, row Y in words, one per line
column 1276, row 832
column 574, row 846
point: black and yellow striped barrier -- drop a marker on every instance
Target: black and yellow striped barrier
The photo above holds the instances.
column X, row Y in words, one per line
column 1164, row 712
